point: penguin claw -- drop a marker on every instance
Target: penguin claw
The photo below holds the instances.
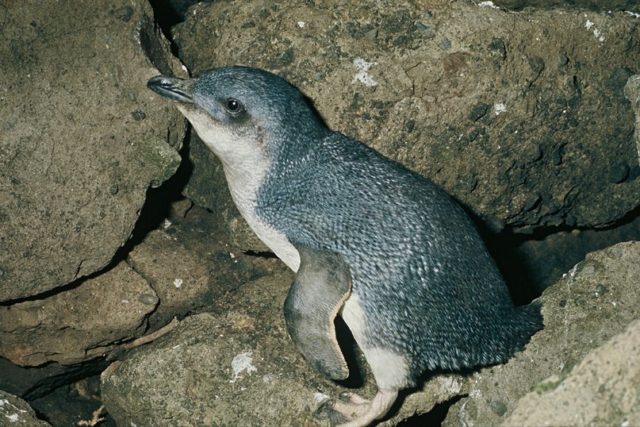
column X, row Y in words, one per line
column 360, row 412
column 352, row 398
column 352, row 408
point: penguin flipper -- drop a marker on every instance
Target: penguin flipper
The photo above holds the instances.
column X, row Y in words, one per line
column 321, row 286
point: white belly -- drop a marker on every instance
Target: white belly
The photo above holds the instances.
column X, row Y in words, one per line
column 275, row 240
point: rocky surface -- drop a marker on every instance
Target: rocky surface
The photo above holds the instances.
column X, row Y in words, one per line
column 601, row 390
column 596, row 300
column 82, row 136
column 78, row 324
column 190, row 265
column 16, row 412
column 510, row 112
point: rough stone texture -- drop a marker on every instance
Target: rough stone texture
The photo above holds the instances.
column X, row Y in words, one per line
column 596, row 300
column 189, row 266
column 510, row 112
column 82, row 136
column 604, row 389
column 188, row 377
column 80, row 323
column 16, row 412
column 632, row 92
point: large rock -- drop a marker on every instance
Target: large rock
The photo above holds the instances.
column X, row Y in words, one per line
column 82, row 136
column 16, row 412
column 190, row 266
column 602, row 390
column 520, row 115
column 78, row 324
column 595, row 301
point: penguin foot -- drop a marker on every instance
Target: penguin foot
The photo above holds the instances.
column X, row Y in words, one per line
column 361, row 412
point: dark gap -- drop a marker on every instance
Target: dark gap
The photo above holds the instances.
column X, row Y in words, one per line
column 594, row 5
column 260, row 254
column 352, row 355
column 168, row 13
column 157, row 205
column 435, row 417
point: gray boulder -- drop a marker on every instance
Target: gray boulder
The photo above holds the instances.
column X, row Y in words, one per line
column 82, row 137
column 521, row 116
column 601, row 390
column 16, row 412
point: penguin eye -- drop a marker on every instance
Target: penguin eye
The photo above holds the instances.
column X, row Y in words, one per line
column 233, row 106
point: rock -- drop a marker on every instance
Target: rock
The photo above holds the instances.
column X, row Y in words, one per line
column 542, row 154
column 236, row 366
column 601, row 390
column 78, row 324
column 189, row 266
column 632, row 92
column 543, row 261
column 16, row 412
column 34, row 382
column 595, row 301
column 82, row 136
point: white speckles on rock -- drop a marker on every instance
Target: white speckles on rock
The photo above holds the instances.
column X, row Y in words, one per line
column 500, row 108
column 589, row 25
column 15, row 411
column 488, row 4
column 320, row 397
column 450, row 384
column 362, row 72
column 243, row 362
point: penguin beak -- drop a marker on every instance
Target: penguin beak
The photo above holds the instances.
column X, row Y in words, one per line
column 172, row 88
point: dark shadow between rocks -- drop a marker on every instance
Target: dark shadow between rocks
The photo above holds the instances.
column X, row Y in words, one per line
column 433, row 418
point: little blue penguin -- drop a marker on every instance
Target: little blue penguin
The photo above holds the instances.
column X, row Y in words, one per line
column 371, row 241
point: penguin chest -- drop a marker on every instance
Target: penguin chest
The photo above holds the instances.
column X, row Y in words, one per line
column 244, row 190
column 275, row 240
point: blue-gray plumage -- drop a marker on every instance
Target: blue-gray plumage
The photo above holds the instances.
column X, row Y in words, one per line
column 371, row 240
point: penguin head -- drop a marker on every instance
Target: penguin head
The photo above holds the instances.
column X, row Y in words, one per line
column 242, row 113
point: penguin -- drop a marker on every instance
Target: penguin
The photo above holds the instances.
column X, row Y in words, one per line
column 370, row 240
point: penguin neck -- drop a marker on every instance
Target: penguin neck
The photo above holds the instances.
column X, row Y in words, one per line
column 244, row 179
